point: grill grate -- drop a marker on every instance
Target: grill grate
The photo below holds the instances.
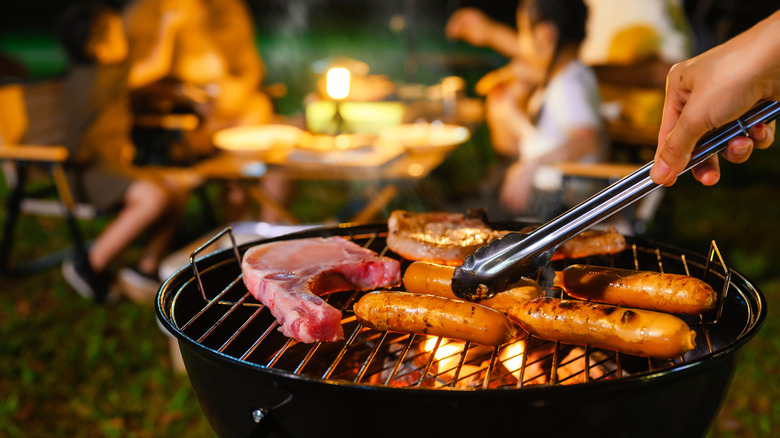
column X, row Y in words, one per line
column 233, row 323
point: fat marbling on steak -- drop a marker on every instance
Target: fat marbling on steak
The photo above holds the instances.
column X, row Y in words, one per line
column 289, row 276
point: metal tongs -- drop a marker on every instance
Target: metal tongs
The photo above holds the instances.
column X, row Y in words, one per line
column 497, row 265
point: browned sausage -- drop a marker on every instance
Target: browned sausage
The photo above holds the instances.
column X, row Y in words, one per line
column 505, row 300
column 432, row 315
column 632, row 331
column 673, row 293
column 429, row 278
column 435, row 279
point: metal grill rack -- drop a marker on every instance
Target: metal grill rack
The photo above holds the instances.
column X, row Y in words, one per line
column 231, row 322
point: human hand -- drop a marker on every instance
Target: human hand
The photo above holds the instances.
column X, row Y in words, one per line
column 713, row 89
column 516, row 190
column 516, row 72
column 470, row 25
column 505, row 110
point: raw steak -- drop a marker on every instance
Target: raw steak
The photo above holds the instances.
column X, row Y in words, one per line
column 289, row 276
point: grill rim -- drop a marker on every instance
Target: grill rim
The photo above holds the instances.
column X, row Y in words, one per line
column 165, row 301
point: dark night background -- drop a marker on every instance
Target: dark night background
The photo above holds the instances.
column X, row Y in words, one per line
column 30, row 25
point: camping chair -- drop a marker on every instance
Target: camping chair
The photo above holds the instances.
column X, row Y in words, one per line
column 22, row 163
column 34, row 164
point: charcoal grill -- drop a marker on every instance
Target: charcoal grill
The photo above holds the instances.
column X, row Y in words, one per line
column 253, row 381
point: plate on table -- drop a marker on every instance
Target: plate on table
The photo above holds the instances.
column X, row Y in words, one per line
column 334, row 143
column 357, row 155
column 424, row 136
column 257, row 138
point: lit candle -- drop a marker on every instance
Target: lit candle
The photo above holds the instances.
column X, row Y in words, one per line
column 338, row 83
column 337, row 86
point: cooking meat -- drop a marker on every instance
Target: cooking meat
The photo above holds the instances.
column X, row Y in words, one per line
column 523, row 290
column 591, row 242
column 440, row 237
column 429, row 278
column 289, row 277
column 632, row 331
column 434, row 279
column 673, row 293
column 433, row 315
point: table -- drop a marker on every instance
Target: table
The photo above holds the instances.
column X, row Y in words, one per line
column 405, row 168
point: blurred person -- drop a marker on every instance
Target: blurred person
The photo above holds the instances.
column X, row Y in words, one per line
column 631, row 44
column 216, row 65
column 622, row 32
column 214, row 58
column 712, row 89
column 552, row 115
column 101, row 152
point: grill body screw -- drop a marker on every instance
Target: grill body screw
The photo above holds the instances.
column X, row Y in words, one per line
column 258, row 415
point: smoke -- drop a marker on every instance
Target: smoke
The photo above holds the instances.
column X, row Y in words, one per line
column 386, row 35
column 295, row 17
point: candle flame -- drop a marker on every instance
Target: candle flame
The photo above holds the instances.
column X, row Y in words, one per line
column 338, row 82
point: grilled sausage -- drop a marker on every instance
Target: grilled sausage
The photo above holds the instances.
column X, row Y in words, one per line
column 432, row 315
column 429, row 278
column 505, row 300
column 632, row 331
column 673, row 293
column 434, row 279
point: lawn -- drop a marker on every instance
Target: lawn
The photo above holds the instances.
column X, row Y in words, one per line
column 70, row 368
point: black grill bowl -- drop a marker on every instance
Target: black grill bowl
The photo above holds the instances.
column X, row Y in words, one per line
column 243, row 399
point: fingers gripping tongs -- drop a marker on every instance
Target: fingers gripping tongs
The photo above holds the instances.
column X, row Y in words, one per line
column 497, row 265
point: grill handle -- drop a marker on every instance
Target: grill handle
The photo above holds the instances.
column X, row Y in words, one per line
column 495, row 266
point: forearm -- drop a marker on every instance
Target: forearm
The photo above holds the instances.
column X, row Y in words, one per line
column 157, row 64
column 475, row 27
column 508, row 127
column 580, row 143
column 712, row 89
column 503, row 39
column 766, row 54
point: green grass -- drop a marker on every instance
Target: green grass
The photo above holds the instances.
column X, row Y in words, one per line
column 70, row 368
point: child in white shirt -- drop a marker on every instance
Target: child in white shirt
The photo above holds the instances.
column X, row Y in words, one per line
column 552, row 113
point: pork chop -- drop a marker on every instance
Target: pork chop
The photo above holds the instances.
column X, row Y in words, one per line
column 289, row 276
column 437, row 237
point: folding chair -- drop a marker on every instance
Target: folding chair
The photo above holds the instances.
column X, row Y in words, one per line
column 22, row 162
